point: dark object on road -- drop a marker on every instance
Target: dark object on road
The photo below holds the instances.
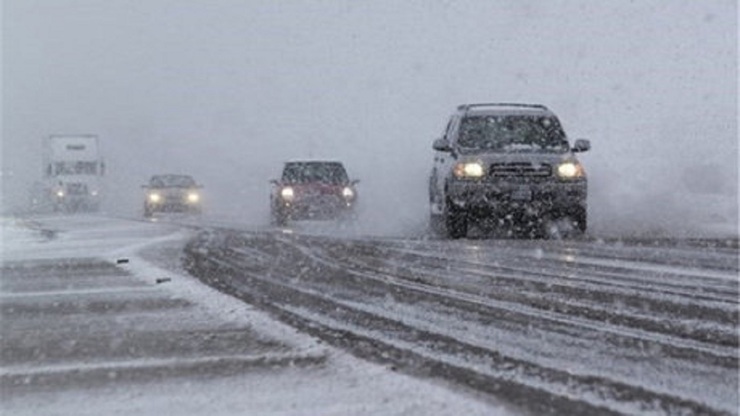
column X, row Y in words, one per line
column 312, row 190
column 172, row 193
column 506, row 164
column 121, row 261
column 163, row 280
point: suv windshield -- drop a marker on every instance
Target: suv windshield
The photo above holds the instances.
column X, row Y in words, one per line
column 304, row 172
column 512, row 134
column 172, row 181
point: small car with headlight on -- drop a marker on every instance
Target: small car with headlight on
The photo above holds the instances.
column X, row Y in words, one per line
column 506, row 164
column 312, row 190
column 172, row 193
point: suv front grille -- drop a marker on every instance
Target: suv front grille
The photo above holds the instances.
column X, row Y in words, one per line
column 520, row 169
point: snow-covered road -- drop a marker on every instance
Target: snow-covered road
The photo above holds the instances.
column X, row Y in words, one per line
column 568, row 327
column 99, row 318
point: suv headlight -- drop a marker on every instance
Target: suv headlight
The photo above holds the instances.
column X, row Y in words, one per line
column 287, row 193
column 468, row 170
column 570, row 170
column 154, row 197
column 193, row 197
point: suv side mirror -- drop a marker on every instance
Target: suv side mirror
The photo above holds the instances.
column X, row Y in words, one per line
column 354, row 182
column 274, row 182
column 442, row 145
column 581, row 145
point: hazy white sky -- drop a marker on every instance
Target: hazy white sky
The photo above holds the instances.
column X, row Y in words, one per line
column 227, row 90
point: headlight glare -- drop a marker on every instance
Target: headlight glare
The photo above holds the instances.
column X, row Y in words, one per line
column 468, row 170
column 193, row 197
column 154, row 197
column 348, row 193
column 287, row 193
column 569, row 170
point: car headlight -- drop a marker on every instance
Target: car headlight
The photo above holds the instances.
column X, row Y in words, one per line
column 193, row 197
column 348, row 193
column 287, row 193
column 154, row 197
column 468, row 170
column 60, row 193
column 570, row 170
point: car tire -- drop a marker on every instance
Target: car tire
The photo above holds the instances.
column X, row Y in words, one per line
column 456, row 222
column 572, row 224
column 349, row 216
column 436, row 224
column 581, row 220
column 280, row 219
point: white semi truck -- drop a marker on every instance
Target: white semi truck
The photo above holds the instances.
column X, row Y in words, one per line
column 73, row 174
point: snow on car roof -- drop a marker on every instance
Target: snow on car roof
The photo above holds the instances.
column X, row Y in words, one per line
column 504, row 109
column 313, row 161
column 162, row 175
column 508, row 111
column 172, row 180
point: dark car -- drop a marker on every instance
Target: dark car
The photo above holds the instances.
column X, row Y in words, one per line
column 172, row 193
column 313, row 189
column 506, row 164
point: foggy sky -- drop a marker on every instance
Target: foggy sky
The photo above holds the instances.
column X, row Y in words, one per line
column 227, row 90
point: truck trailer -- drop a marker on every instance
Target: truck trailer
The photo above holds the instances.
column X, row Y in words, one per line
column 73, row 174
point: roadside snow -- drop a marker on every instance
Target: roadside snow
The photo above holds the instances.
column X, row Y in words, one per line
column 14, row 233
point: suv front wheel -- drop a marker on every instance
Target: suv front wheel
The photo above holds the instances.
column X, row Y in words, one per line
column 580, row 219
column 279, row 217
column 456, row 221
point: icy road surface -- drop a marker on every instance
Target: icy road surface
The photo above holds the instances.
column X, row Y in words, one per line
column 563, row 327
column 99, row 319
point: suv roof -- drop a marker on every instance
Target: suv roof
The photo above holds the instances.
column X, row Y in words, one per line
column 503, row 108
